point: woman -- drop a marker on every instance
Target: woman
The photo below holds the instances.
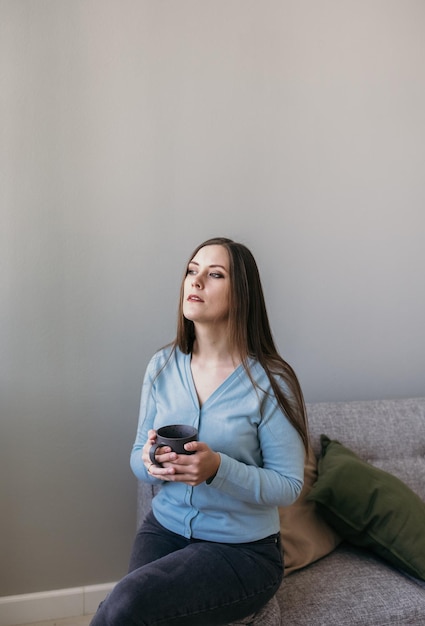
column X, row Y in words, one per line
column 209, row 552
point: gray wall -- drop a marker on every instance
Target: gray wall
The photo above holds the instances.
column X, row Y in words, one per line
column 130, row 131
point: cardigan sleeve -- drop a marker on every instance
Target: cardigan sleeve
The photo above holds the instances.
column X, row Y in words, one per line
column 146, row 419
column 278, row 482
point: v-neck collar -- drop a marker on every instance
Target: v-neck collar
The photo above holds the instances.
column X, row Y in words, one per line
column 217, row 391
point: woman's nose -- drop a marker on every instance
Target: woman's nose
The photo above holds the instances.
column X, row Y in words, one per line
column 196, row 282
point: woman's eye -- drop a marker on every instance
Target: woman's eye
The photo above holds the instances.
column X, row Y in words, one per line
column 191, row 272
column 216, row 275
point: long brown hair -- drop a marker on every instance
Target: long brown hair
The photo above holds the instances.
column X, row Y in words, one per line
column 249, row 331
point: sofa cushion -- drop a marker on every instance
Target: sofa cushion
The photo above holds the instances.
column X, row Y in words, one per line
column 370, row 507
column 378, row 429
column 268, row 615
column 306, row 537
column 351, row 586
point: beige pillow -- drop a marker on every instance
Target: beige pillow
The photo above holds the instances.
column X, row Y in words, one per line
column 306, row 537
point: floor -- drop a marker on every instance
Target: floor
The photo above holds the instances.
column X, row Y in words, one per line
column 70, row 621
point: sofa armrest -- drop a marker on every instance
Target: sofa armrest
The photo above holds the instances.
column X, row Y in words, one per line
column 145, row 493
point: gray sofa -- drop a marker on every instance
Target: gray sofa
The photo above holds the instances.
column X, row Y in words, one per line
column 352, row 585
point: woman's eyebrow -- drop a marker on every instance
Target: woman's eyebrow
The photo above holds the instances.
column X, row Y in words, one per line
column 212, row 265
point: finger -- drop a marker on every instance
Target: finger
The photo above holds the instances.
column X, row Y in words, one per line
column 164, row 455
column 188, row 479
column 151, row 436
column 161, row 472
column 195, row 446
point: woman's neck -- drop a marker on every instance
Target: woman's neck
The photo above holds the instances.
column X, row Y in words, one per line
column 213, row 348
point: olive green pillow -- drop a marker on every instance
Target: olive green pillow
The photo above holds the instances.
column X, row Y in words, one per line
column 370, row 508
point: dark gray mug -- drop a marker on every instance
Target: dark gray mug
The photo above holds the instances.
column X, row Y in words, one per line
column 174, row 437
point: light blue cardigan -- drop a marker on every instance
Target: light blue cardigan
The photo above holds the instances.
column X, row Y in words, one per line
column 262, row 455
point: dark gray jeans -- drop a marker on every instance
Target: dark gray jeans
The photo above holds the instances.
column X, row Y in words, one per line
column 173, row 581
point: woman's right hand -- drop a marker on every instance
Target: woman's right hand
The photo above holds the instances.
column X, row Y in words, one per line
column 162, row 455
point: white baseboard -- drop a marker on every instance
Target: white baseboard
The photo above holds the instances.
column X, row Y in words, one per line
column 49, row 605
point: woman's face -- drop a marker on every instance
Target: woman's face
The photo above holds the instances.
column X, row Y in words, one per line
column 207, row 286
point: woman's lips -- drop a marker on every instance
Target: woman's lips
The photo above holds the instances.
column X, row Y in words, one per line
column 193, row 298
